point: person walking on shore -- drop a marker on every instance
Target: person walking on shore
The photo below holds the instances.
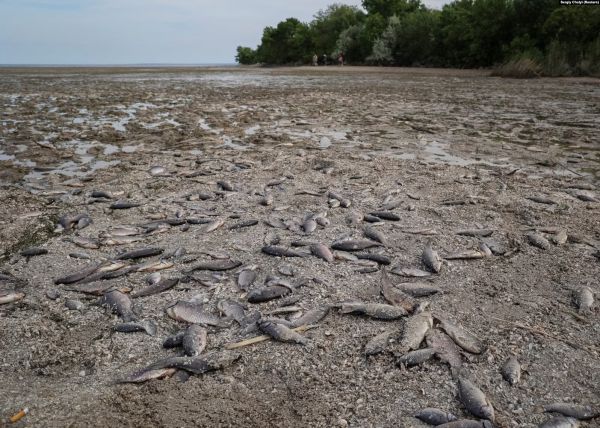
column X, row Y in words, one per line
column 315, row 60
column 341, row 58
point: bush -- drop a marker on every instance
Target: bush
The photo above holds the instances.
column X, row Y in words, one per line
column 521, row 68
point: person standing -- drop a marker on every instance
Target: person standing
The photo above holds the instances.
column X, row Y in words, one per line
column 315, row 60
column 324, row 59
column 341, row 59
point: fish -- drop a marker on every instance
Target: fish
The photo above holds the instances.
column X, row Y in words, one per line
column 79, row 275
column 583, row 298
column 281, row 333
column 266, row 200
column 279, row 251
column 88, row 243
column 476, row 233
column 214, row 225
column 148, row 326
column 474, row 399
column 96, row 288
column 395, row 296
column 232, row 309
column 225, row 185
column 386, row 215
column 345, row 256
column 374, row 310
column 140, row 253
column 309, row 226
column 434, row 416
column 381, row 342
column 153, row 266
column 34, row 251
column 466, row 423
column 415, row 358
column 511, row 371
column 418, row 289
column 374, row 235
column 311, row 317
column 322, row 251
column 465, row 255
column 560, row 237
column 174, row 340
column 541, row 200
column 378, row 258
column 194, row 313
column 215, row 265
column 155, row 288
column 485, row 250
column 576, row 411
column 432, row 260
column 74, row 305
column 415, row 329
column 194, row 340
column 461, row 337
column 585, row 196
column 9, row 296
column 445, row 349
column 344, row 202
column 560, row 422
column 264, row 294
column 245, row 278
column 354, row 245
column 120, row 240
column 538, row 240
column 118, row 303
column 410, row 272
column 427, row 231
column 243, row 224
column 123, row 204
column 146, row 375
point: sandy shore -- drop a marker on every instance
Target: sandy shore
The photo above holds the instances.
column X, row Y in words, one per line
column 443, row 150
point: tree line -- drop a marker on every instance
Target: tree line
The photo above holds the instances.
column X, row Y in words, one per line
column 544, row 36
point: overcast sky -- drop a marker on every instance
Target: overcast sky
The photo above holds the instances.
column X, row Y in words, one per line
column 141, row 31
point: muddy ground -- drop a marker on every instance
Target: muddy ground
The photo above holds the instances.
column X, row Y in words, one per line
column 458, row 150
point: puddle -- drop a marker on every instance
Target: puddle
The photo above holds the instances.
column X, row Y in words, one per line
column 252, row 130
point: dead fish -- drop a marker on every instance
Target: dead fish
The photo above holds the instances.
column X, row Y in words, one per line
column 354, row 245
column 584, row 298
column 140, row 253
column 155, row 288
column 560, row 422
column 466, row 423
column 118, row 303
column 461, row 337
column 485, row 250
column 386, row 215
column 82, row 256
column 34, row 251
column 465, row 255
column 101, row 194
column 194, row 220
column 541, row 200
column 53, row 294
column 194, row 340
column 374, row 235
column 311, row 317
column 434, row 416
column 232, row 309
column 174, row 340
column 573, row 410
column 245, row 278
column 285, row 270
column 225, row 185
column 322, row 251
column 309, row 226
column 345, row 256
column 418, row 289
column 194, row 314
column 585, row 196
column 157, row 170
column 147, row 326
column 123, row 204
column 214, row 225
column 477, row 233
column 146, row 375
column 264, row 294
column 279, row 251
column 511, row 371
column 79, row 275
column 427, row 231
column 74, row 305
column 474, row 399
column 560, row 237
column 322, row 221
column 445, row 349
column 432, row 260
column 410, row 272
column 120, row 240
column 395, row 296
column 333, row 203
column 538, row 240
column 344, row 202
column 276, row 223
column 374, row 310
column 96, row 288
column 266, row 200
column 215, row 265
column 415, row 358
column 153, row 266
column 381, row 342
column 88, row 243
column 243, row 224
column 378, row 258
column 8, row 296
column 281, row 333
column 415, row 329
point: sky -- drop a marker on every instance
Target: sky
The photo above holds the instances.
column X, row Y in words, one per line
column 142, row 31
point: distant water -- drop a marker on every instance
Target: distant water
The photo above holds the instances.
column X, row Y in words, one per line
column 156, row 65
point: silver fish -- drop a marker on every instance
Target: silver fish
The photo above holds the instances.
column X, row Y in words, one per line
column 281, row 333
column 194, row 340
column 461, row 337
column 576, row 411
column 354, row 245
column 322, row 251
column 511, row 371
column 560, row 422
column 434, row 416
column 584, row 298
column 432, row 260
column 415, row 329
column 381, row 342
column 8, row 296
column 374, row 310
column 118, row 303
column 415, row 358
column 474, row 399
column 195, row 314
column 311, row 317
column 538, row 240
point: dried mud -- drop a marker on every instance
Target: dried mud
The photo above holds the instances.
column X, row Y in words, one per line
column 426, row 137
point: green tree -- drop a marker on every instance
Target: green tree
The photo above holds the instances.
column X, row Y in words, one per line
column 288, row 43
column 245, row 55
column 330, row 23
